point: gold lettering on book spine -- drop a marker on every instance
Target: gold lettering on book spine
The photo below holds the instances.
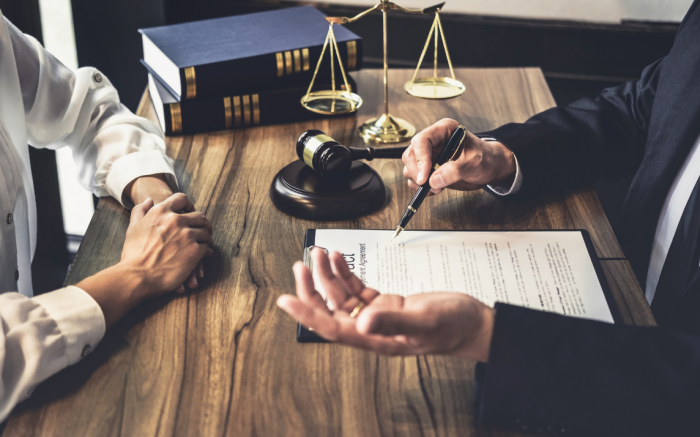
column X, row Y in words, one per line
column 352, row 55
column 175, row 118
column 288, row 62
column 191, row 82
column 297, row 61
column 237, row 110
column 280, row 64
column 256, row 110
column 305, row 57
column 227, row 111
column 246, row 109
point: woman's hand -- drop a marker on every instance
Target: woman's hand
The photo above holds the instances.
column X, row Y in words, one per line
column 161, row 249
column 152, row 187
column 156, row 188
column 431, row 323
column 480, row 163
column 167, row 241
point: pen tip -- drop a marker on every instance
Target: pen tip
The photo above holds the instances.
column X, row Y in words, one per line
column 396, row 234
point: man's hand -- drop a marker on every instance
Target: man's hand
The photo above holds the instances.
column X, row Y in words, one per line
column 431, row 323
column 162, row 247
column 480, row 163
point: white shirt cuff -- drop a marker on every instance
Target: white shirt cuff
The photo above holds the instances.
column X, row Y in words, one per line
column 79, row 318
column 133, row 166
column 515, row 187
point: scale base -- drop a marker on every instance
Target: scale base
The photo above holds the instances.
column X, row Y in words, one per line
column 386, row 129
column 301, row 192
column 435, row 88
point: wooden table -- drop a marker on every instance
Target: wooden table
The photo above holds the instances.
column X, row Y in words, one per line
column 223, row 361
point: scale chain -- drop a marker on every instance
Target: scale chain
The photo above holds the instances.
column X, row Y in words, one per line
column 435, row 64
column 444, row 43
column 323, row 50
column 425, row 49
column 334, row 42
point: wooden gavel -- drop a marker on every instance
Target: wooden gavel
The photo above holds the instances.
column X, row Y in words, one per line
column 331, row 159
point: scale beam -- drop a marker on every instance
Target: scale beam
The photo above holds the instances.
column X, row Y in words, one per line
column 385, row 7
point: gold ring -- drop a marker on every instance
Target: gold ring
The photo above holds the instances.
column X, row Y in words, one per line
column 355, row 311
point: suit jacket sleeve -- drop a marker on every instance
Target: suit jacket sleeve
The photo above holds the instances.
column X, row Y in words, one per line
column 558, row 374
column 590, row 139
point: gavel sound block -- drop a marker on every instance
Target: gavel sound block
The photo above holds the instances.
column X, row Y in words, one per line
column 328, row 182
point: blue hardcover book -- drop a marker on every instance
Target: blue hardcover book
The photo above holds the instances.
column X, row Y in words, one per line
column 274, row 106
column 244, row 53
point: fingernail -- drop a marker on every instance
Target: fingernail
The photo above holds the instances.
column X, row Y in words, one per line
column 419, row 177
column 437, row 181
column 201, row 271
column 180, row 289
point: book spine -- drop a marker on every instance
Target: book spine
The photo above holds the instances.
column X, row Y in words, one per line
column 271, row 70
column 238, row 111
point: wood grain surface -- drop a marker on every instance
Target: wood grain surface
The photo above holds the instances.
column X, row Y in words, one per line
column 630, row 299
column 223, row 361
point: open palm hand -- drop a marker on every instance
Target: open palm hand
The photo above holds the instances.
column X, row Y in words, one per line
column 430, row 323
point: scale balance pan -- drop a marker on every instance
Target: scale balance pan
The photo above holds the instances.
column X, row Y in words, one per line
column 301, row 192
column 435, row 88
column 330, row 102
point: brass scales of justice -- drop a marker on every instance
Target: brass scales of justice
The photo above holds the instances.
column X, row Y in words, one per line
column 385, row 128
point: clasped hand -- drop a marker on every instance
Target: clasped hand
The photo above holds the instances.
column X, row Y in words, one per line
column 431, row 323
column 156, row 188
column 166, row 242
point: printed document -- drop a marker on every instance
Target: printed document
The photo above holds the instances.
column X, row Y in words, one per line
column 549, row 271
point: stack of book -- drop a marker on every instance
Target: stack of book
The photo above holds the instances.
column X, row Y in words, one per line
column 241, row 71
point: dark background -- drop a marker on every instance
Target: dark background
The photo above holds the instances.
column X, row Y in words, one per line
column 578, row 60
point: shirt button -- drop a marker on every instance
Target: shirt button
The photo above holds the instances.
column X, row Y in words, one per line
column 10, row 219
column 98, row 77
column 86, row 350
column 16, row 275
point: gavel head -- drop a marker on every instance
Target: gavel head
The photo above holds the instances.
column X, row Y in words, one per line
column 324, row 155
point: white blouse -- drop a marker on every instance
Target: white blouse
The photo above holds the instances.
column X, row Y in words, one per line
column 44, row 104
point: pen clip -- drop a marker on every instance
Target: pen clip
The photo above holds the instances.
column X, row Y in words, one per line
column 461, row 140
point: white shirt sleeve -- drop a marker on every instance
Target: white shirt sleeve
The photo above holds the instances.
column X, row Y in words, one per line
column 111, row 146
column 506, row 190
column 40, row 336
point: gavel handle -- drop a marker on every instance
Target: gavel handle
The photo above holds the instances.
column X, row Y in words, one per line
column 370, row 153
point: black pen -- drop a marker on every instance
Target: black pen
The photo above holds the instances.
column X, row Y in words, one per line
column 447, row 154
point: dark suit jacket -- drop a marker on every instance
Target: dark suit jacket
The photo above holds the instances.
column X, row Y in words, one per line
column 559, row 374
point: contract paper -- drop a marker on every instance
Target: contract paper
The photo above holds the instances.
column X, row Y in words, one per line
column 549, row 271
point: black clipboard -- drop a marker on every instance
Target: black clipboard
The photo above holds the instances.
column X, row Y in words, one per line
column 306, row 336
